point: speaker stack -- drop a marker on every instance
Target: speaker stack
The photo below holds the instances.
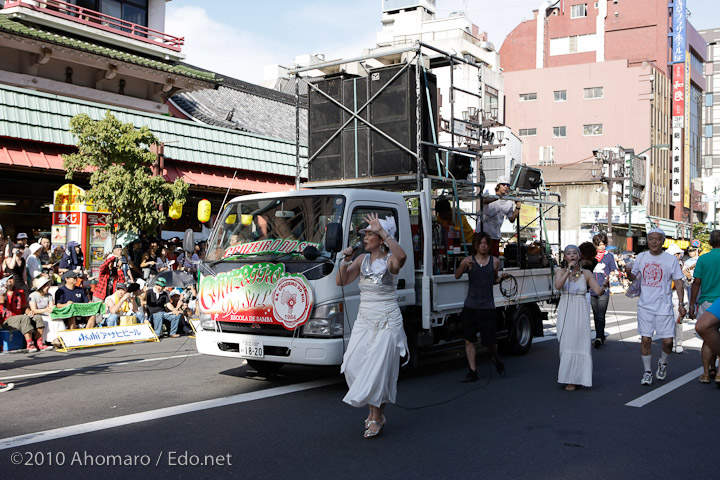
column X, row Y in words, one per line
column 359, row 151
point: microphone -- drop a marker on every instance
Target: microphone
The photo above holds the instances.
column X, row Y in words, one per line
column 356, row 246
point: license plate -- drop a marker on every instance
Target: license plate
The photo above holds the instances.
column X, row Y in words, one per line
column 251, row 348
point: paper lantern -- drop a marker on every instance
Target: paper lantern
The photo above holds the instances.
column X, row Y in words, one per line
column 204, row 209
column 175, row 210
column 246, row 219
column 231, row 219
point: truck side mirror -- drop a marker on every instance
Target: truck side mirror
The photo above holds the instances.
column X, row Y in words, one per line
column 189, row 241
column 333, row 237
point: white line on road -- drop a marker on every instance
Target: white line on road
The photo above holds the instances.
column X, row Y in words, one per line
column 30, row 438
column 104, row 365
column 665, row 389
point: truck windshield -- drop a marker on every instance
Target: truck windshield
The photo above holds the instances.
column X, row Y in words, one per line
column 270, row 229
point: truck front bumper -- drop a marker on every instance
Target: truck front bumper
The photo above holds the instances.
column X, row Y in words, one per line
column 301, row 351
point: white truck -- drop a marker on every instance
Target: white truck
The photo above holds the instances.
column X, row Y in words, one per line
column 267, row 290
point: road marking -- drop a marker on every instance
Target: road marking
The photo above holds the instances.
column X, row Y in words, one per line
column 665, row 389
column 104, row 365
column 47, row 435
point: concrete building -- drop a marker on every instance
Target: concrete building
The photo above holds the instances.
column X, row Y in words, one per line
column 710, row 131
column 582, row 76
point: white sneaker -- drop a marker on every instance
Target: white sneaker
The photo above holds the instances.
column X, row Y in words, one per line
column 673, row 349
column 661, row 371
column 6, row 387
column 647, row 379
column 678, row 349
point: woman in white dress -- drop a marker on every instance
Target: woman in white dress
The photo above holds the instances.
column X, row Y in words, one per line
column 573, row 321
column 372, row 361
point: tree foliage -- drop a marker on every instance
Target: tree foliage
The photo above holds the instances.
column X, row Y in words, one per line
column 702, row 233
column 119, row 161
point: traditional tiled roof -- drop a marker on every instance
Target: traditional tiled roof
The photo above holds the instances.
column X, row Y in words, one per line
column 47, row 35
column 247, row 107
column 42, row 117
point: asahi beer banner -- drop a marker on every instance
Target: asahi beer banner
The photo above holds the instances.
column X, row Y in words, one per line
column 679, row 34
column 276, row 245
column 261, row 293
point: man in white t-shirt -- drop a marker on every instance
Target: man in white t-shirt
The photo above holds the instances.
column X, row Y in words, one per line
column 656, row 270
column 495, row 211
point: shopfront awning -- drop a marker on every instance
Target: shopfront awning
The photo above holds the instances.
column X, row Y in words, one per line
column 218, row 177
column 31, row 154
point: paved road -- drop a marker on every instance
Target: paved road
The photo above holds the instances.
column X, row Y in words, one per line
column 160, row 408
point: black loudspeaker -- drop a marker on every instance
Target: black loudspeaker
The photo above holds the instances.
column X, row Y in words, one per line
column 511, row 255
column 526, row 178
column 394, row 112
column 348, row 154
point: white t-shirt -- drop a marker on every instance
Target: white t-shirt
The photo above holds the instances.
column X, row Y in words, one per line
column 657, row 272
column 494, row 215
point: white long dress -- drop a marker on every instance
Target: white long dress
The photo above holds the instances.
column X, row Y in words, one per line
column 372, row 361
column 573, row 329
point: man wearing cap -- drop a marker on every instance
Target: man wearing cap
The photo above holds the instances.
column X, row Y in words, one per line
column 22, row 239
column 495, row 212
column 34, row 266
column 69, row 294
column 15, row 264
column 158, row 303
column 705, row 290
column 121, row 303
column 656, row 271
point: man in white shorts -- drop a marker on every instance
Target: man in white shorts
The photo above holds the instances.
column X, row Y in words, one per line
column 657, row 270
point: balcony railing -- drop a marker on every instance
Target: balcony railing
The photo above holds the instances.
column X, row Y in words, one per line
column 74, row 13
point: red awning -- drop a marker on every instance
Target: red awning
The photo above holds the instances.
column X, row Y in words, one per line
column 219, row 177
column 31, row 154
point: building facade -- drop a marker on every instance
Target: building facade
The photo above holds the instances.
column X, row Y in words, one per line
column 582, row 76
column 710, row 131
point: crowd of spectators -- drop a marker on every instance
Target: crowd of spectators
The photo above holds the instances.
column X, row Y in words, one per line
column 136, row 283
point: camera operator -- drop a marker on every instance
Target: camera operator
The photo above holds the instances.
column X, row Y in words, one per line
column 111, row 273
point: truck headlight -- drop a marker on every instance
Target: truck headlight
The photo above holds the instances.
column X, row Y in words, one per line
column 326, row 321
column 206, row 322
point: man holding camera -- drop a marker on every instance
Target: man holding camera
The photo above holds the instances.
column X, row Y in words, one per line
column 122, row 303
column 110, row 275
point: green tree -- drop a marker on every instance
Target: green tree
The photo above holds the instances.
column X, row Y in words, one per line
column 119, row 161
column 702, row 233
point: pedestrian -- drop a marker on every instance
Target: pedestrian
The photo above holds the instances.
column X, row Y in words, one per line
column 478, row 313
column 573, row 321
column 159, row 308
column 673, row 249
column 599, row 303
column 372, row 360
column 656, row 271
column 708, row 327
column 705, row 291
column 495, row 212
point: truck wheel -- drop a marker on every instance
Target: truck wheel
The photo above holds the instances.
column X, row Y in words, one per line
column 521, row 331
column 265, row 368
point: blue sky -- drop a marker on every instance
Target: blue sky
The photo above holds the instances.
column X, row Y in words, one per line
column 239, row 37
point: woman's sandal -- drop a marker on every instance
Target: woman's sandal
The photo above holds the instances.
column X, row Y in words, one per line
column 704, row 379
column 569, row 387
column 374, row 433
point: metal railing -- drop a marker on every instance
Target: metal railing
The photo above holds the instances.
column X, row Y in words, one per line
column 92, row 18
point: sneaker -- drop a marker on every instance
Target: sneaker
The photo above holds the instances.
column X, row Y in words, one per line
column 597, row 343
column 647, row 379
column 678, row 349
column 661, row 371
column 42, row 346
column 31, row 347
column 6, row 387
column 471, row 376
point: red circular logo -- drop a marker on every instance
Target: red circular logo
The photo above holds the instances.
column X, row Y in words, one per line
column 292, row 301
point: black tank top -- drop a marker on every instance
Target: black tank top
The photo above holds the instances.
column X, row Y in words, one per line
column 480, row 289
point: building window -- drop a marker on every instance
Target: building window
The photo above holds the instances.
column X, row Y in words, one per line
column 708, row 99
column 560, row 95
column 592, row 130
column 559, row 132
column 528, row 97
column 578, row 11
column 134, row 11
column 593, row 92
column 708, row 131
column 527, row 132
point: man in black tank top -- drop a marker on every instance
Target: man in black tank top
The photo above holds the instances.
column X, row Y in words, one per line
column 478, row 313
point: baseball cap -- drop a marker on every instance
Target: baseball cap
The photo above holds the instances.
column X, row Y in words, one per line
column 160, row 281
column 503, row 179
column 21, row 235
column 121, row 286
column 176, row 291
column 673, row 249
column 70, row 274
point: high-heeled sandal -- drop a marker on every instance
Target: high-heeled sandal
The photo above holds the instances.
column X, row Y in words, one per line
column 374, row 433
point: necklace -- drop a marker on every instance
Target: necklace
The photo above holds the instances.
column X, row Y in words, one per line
column 575, row 275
